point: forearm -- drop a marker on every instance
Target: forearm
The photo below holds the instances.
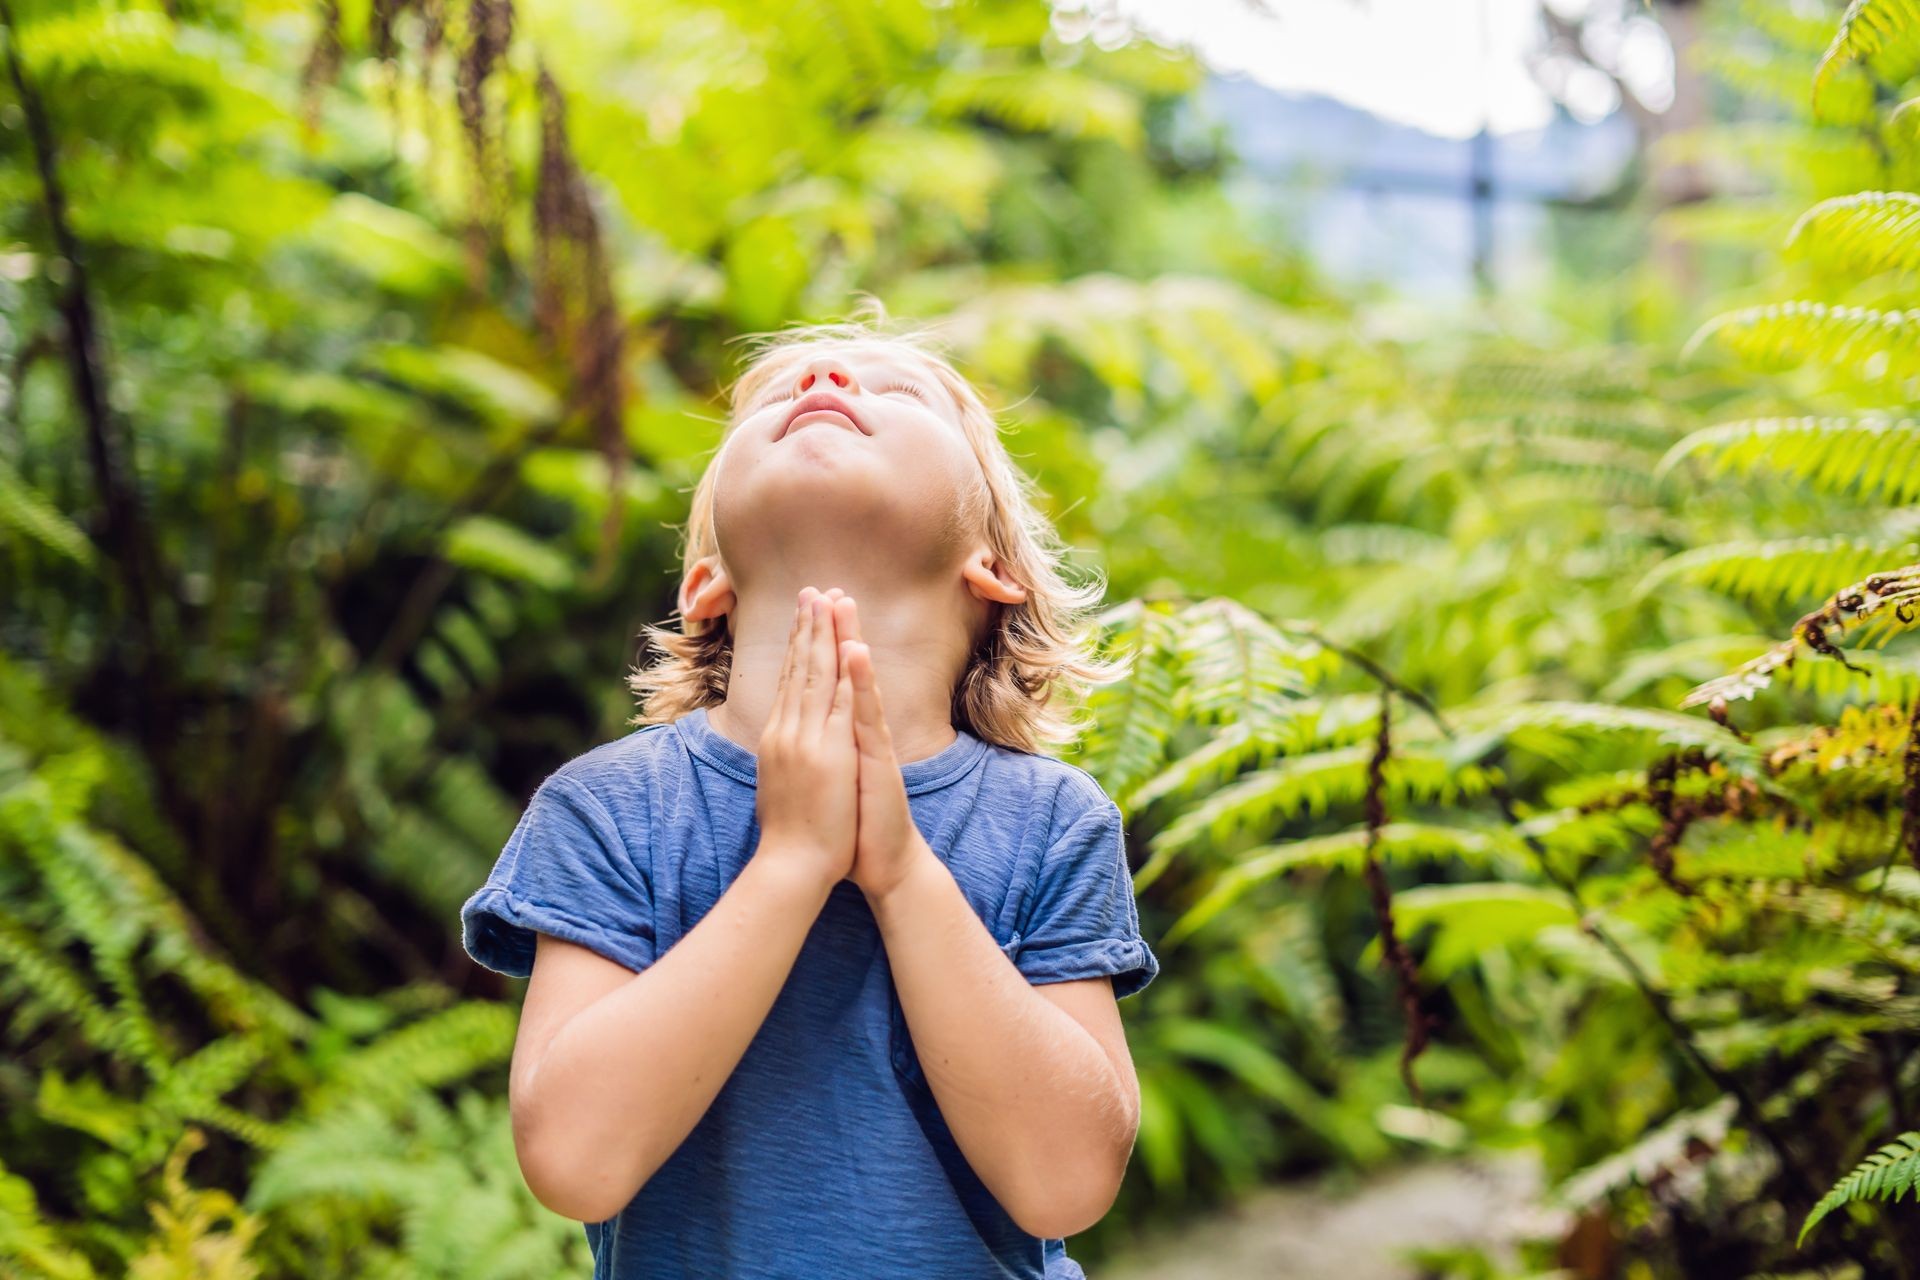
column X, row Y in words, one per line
column 1029, row 1094
column 625, row 1080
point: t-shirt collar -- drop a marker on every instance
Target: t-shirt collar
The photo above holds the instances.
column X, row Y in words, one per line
column 728, row 756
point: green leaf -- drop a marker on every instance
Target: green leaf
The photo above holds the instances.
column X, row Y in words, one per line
column 1887, row 1174
column 496, row 547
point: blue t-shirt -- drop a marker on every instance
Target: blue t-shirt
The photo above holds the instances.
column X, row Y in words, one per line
column 824, row 1156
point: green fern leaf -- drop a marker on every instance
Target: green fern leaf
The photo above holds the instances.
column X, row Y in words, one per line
column 1312, row 784
column 1670, row 1147
column 1057, row 101
column 1867, row 231
column 1883, row 35
column 1259, row 1069
column 1862, row 341
column 1400, row 842
column 1540, row 725
column 1237, row 664
column 1769, row 573
column 1887, row 1174
column 1902, row 131
column 25, row 512
column 1131, row 721
column 1871, row 457
column 436, row 1050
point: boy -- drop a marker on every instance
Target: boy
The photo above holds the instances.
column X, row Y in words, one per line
column 824, row 957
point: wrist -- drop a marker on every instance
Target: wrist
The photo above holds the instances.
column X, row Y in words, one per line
column 915, row 869
column 805, row 878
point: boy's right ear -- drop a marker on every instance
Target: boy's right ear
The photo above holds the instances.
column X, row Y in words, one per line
column 706, row 591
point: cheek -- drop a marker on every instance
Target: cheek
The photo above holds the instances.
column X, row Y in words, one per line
column 941, row 475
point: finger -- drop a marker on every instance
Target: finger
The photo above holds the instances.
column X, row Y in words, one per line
column 869, row 718
column 787, row 699
column 843, row 628
column 818, row 691
column 840, row 715
column 846, row 619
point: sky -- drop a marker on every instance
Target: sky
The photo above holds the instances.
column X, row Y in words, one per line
column 1442, row 65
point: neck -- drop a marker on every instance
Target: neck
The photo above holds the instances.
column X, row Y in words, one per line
column 918, row 637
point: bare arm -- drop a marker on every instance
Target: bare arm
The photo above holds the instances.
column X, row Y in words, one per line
column 612, row 1069
column 1034, row 1081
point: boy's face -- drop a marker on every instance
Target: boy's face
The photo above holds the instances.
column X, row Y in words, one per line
column 849, row 454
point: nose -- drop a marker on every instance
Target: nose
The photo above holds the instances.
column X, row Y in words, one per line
column 824, row 373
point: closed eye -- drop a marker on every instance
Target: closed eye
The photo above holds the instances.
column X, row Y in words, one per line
column 767, row 401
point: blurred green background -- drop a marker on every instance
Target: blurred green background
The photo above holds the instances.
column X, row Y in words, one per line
column 1517, row 533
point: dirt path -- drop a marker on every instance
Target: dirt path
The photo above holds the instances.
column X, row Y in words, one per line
column 1309, row 1232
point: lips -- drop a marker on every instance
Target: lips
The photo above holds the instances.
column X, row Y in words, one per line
column 822, row 401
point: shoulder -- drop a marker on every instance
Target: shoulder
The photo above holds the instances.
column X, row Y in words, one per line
column 615, row 773
column 1064, row 792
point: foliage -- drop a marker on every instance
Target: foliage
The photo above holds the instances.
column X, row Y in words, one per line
column 1528, row 720
column 354, row 363
column 1887, row 1174
column 1674, row 950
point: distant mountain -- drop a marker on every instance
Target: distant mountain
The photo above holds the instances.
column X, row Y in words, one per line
column 1280, row 135
column 1377, row 201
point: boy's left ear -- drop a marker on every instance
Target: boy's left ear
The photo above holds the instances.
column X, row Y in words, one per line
column 988, row 579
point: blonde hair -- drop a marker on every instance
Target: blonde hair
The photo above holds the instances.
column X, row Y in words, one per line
column 1033, row 657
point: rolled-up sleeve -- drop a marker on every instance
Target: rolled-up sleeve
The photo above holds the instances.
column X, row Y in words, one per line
column 567, row 871
column 1082, row 920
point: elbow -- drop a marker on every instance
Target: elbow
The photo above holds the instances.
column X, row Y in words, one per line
column 1069, row 1205
column 1072, row 1197
column 1063, row 1214
column 570, row 1199
column 565, row 1178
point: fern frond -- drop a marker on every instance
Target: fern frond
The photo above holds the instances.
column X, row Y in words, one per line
column 45, row 981
column 1876, row 732
column 436, row 1050
column 1131, row 721
column 1350, row 544
column 1894, row 676
column 1770, row 573
column 1110, row 323
column 1475, row 918
column 1779, row 335
column 1868, row 457
column 1887, row 1174
column 1902, row 130
column 1670, row 1147
column 1751, row 1040
column 1538, row 724
column 1867, row 231
column 32, row 1239
column 1884, row 603
column 1237, row 664
column 1259, row 1069
column 1057, row 101
column 1400, row 842
column 1311, row 784
column 26, row 512
column 506, row 551
column 1883, row 35
column 1700, row 658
